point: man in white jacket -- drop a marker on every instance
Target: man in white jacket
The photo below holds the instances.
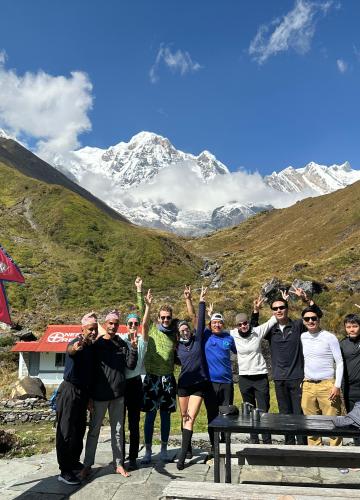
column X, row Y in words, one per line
column 253, row 374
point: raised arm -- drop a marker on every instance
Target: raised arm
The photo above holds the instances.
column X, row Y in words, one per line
column 201, row 316
column 146, row 317
column 189, row 305
column 264, row 328
column 139, row 296
column 72, row 349
column 258, row 302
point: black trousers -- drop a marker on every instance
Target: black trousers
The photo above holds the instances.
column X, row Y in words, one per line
column 71, row 407
column 133, row 402
column 288, row 395
column 255, row 390
column 217, row 395
column 350, row 398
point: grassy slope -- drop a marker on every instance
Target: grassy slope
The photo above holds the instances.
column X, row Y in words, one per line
column 76, row 257
column 319, row 236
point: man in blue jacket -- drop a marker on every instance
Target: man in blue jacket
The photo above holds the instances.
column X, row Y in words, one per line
column 218, row 345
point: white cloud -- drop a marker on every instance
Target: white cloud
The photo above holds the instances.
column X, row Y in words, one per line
column 294, row 31
column 342, row 65
column 179, row 61
column 178, row 184
column 50, row 110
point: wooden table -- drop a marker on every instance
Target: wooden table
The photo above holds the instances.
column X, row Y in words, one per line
column 315, row 425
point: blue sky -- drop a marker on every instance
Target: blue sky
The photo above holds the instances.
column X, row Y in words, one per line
column 261, row 84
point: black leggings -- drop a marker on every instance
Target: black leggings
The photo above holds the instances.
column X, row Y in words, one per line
column 133, row 402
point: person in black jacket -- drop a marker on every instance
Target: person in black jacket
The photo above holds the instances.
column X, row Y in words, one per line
column 287, row 359
column 111, row 356
column 350, row 349
column 72, row 400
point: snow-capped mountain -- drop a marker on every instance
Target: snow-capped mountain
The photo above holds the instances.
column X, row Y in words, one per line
column 4, row 135
column 154, row 184
column 319, row 179
column 137, row 179
column 140, row 160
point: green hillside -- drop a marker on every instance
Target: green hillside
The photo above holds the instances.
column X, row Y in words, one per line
column 76, row 253
column 76, row 257
column 317, row 238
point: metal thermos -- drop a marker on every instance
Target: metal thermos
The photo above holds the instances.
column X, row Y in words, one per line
column 256, row 414
column 246, row 408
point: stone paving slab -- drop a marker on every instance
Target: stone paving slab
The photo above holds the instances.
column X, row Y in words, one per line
column 35, row 478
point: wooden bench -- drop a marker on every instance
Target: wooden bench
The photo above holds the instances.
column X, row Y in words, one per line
column 191, row 490
column 299, row 456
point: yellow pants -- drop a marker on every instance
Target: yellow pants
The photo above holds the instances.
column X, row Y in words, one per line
column 315, row 401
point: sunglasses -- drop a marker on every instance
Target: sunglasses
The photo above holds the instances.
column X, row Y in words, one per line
column 310, row 318
column 165, row 317
column 279, row 308
column 133, row 323
column 243, row 323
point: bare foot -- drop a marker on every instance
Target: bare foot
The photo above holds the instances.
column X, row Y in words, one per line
column 84, row 473
column 120, row 470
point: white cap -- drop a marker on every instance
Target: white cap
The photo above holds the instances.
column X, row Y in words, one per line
column 217, row 317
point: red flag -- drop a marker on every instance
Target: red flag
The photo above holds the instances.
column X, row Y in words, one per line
column 4, row 311
column 8, row 269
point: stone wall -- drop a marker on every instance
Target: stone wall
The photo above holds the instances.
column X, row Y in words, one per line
column 25, row 410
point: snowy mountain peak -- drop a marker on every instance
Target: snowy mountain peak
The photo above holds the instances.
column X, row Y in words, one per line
column 145, row 136
column 313, row 178
column 4, row 135
column 147, row 158
column 129, row 164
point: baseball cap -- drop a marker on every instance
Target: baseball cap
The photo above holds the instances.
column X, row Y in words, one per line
column 217, row 317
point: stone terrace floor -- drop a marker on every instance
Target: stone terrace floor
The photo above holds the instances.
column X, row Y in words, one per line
column 36, row 477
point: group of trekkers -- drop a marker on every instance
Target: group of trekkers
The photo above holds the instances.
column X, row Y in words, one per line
column 134, row 372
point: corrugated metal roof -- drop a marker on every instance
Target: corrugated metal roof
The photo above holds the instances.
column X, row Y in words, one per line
column 55, row 339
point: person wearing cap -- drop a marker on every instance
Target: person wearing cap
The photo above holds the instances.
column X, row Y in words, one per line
column 111, row 356
column 321, row 387
column 159, row 384
column 72, row 400
column 253, row 374
column 218, row 346
column 133, row 386
column 193, row 379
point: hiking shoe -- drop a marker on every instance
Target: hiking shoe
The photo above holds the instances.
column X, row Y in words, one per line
column 69, row 478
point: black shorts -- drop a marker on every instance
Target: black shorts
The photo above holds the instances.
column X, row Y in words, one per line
column 198, row 389
column 159, row 393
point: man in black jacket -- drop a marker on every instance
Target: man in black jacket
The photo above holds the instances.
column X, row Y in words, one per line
column 350, row 349
column 72, row 400
column 111, row 356
column 287, row 359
